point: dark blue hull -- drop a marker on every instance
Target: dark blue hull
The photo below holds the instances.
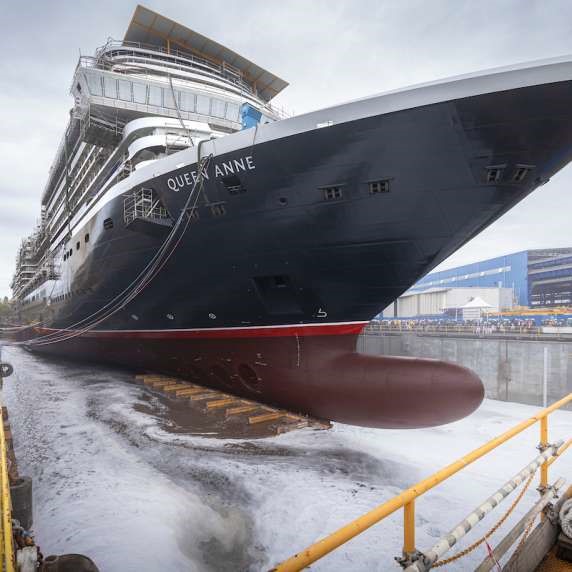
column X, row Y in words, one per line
column 295, row 236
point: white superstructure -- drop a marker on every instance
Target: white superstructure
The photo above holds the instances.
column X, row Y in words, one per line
column 162, row 89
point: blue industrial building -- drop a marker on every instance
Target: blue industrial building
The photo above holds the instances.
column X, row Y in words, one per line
column 538, row 278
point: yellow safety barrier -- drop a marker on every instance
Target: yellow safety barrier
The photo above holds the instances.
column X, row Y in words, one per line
column 406, row 499
column 6, row 539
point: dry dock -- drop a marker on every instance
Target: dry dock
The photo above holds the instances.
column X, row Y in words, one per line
column 114, row 458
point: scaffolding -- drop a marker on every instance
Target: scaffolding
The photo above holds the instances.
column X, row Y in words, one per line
column 144, row 205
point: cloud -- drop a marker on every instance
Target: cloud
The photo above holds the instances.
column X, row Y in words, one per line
column 329, row 50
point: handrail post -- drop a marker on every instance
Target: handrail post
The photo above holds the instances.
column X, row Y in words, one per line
column 409, row 528
column 542, row 447
column 544, row 467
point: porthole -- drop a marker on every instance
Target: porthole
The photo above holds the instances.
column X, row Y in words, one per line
column 170, row 317
column 494, row 173
column 192, row 213
column 77, row 245
column 521, row 172
column 218, row 210
column 86, row 237
column 108, row 223
column 233, row 185
column 332, row 193
column 381, row 186
column 283, row 201
column 134, row 317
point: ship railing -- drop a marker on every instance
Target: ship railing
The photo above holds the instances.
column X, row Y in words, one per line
column 139, row 69
column 104, row 55
column 412, row 559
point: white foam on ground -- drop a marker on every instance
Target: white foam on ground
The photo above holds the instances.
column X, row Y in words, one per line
column 111, row 482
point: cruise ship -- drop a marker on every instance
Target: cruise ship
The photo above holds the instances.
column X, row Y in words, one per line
column 189, row 227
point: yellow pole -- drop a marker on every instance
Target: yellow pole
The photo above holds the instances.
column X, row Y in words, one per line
column 544, row 443
column 409, row 528
column 362, row 523
column 7, row 545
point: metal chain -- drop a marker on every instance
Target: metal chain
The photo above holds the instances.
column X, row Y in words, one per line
column 476, row 544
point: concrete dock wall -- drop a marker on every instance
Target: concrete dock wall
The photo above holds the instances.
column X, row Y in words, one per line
column 511, row 369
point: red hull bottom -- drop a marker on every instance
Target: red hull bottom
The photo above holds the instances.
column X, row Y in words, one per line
column 309, row 371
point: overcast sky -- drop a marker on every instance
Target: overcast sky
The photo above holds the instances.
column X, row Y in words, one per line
column 330, row 51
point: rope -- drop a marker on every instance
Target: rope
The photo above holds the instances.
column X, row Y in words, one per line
column 476, row 544
column 525, row 535
column 145, row 276
column 179, row 111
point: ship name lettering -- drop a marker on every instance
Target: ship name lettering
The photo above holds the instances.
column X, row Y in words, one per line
column 178, row 182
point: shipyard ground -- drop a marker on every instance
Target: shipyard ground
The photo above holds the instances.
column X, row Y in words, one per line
column 120, row 476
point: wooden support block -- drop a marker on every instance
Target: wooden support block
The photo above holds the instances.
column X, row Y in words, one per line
column 265, row 417
column 173, row 387
column 203, row 396
column 161, row 379
column 241, row 409
column 160, row 384
column 189, row 391
column 221, row 403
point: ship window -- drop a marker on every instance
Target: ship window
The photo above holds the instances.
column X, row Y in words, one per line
column 71, row 252
column 218, row 210
column 203, row 105
column 110, row 87
column 379, row 186
column 520, row 173
column 233, row 185
column 94, row 84
column 187, row 101
column 155, row 96
column 332, row 193
column 169, row 99
column 108, row 223
column 217, row 108
column 77, row 245
column 86, row 237
column 494, row 173
column 139, row 93
column 232, row 111
column 124, row 90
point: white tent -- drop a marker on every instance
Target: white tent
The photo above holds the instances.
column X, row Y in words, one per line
column 473, row 309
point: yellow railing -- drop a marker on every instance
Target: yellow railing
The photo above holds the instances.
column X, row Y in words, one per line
column 6, row 539
column 406, row 499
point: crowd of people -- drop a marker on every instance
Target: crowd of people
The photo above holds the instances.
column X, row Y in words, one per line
column 484, row 327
